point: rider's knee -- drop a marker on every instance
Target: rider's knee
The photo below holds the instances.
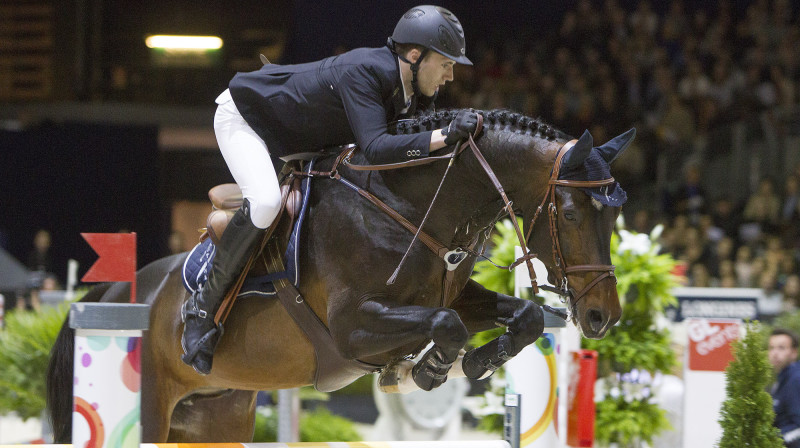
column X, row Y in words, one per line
column 447, row 327
column 264, row 209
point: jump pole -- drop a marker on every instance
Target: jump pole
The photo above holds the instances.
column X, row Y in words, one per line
column 414, row 444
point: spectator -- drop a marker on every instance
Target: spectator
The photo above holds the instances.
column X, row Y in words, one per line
column 790, row 211
column 725, row 216
column 771, row 301
column 791, row 293
column 785, row 392
column 699, row 276
column 644, row 19
column 724, row 84
column 695, row 85
column 41, row 266
column 690, row 197
column 723, row 251
column 727, row 274
column 676, row 127
column 763, row 207
column 744, row 266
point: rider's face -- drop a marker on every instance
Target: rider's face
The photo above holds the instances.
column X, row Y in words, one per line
column 434, row 71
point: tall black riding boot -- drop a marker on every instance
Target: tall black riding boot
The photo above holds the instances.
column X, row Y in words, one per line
column 200, row 335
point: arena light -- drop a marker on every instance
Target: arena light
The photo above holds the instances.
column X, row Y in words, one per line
column 183, row 43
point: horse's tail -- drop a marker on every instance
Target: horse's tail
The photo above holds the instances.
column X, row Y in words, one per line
column 60, row 376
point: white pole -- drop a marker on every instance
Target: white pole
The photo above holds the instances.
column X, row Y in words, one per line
column 289, row 415
column 72, row 278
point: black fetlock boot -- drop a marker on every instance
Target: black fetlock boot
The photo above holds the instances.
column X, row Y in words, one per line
column 431, row 370
column 200, row 334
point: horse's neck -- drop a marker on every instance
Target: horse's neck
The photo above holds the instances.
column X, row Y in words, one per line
column 468, row 200
column 455, row 205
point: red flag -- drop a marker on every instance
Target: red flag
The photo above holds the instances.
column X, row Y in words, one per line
column 116, row 260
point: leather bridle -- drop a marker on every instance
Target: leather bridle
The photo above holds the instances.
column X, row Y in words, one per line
column 606, row 271
column 453, row 257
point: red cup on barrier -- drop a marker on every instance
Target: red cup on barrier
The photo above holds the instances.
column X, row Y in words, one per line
column 580, row 405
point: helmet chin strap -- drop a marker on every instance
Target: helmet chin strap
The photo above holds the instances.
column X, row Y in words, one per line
column 414, row 69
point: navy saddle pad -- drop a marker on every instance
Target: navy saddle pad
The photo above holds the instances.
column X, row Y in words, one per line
column 199, row 261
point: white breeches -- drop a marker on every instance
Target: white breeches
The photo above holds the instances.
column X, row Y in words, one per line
column 249, row 162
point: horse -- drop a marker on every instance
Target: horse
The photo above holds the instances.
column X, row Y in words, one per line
column 349, row 248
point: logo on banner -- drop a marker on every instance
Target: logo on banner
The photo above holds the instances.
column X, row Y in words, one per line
column 710, row 343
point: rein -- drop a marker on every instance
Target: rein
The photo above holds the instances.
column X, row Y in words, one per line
column 454, row 257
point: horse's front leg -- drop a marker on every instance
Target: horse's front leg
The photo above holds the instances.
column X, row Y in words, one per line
column 379, row 325
column 481, row 309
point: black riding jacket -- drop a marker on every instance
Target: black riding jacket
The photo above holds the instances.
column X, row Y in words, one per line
column 339, row 100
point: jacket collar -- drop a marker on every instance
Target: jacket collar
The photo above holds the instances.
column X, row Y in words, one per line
column 399, row 93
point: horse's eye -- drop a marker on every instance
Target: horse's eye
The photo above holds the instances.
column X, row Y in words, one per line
column 570, row 215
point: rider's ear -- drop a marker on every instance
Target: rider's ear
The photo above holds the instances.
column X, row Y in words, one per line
column 574, row 157
column 617, row 145
column 413, row 55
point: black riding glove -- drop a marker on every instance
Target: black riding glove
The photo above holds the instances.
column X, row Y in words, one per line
column 461, row 127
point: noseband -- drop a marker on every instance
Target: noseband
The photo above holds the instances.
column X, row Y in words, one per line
column 558, row 257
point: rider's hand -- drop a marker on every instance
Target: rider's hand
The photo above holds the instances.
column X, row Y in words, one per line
column 461, row 127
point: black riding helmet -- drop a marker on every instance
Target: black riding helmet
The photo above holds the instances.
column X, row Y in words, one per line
column 432, row 27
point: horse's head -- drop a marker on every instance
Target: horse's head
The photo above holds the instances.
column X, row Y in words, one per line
column 572, row 233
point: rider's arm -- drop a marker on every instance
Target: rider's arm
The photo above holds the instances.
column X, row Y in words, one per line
column 361, row 91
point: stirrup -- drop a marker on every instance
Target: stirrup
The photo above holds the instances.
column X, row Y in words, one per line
column 189, row 356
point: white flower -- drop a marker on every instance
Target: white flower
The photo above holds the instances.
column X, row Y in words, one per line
column 620, row 221
column 614, row 392
column 636, row 243
column 655, row 234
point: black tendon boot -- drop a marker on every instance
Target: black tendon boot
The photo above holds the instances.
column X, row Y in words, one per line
column 200, row 335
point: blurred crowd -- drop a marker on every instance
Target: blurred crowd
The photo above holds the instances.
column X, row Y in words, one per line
column 679, row 74
column 676, row 74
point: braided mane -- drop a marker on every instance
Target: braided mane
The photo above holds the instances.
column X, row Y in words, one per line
column 497, row 119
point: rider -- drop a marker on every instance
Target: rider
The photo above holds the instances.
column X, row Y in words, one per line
column 281, row 110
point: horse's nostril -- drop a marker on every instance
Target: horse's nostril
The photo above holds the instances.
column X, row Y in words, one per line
column 596, row 320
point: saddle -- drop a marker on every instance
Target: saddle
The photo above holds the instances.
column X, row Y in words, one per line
column 226, row 199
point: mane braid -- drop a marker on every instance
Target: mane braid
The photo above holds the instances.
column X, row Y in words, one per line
column 497, row 119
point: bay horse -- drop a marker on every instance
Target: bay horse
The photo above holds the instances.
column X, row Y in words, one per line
column 348, row 250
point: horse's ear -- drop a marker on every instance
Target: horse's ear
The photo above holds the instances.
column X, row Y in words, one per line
column 574, row 157
column 617, row 145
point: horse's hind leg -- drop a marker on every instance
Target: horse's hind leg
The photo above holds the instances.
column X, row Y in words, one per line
column 378, row 326
column 226, row 416
column 481, row 310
